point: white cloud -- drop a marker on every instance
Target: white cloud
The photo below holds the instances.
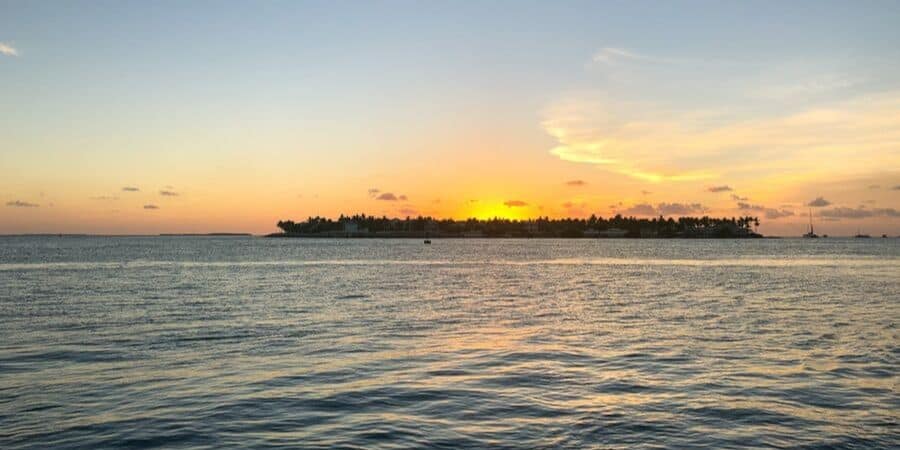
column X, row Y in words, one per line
column 609, row 55
column 813, row 85
column 616, row 55
column 8, row 49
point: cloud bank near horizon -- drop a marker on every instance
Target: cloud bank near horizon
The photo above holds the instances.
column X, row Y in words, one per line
column 21, row 204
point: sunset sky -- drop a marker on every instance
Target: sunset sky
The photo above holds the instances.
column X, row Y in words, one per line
column 145, row 117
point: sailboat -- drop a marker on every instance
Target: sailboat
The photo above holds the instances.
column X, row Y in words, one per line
column 860, row 235
column 811, row 234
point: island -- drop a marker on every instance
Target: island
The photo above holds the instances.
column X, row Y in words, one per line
column 366, row 226
column 220, row 234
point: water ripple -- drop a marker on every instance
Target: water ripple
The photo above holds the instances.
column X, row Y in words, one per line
column 251, row 343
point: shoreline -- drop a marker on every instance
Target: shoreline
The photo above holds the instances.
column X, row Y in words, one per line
column 393, row 236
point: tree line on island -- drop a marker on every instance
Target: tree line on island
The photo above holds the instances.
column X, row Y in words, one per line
column 361, row 225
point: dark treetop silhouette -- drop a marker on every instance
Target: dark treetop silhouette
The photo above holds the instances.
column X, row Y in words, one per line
column 362, row 225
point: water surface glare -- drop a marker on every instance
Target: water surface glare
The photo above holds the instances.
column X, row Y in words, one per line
column 209, row 343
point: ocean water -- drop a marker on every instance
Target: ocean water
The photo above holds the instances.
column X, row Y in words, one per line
column 210, row 343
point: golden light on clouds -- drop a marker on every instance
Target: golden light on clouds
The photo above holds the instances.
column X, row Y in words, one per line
column 655, row 146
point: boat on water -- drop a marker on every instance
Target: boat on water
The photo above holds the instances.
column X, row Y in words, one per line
column 861, row 236
column 811, row 234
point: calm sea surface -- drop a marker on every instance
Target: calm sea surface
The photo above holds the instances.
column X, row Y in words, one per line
column 194, row 342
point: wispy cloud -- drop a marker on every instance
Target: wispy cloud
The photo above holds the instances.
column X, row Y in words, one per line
column 21, row 204
column 610, row 55
column 858, row 213
column 664, row 209
column 105, row 197
column 576, row 183
column 748, row 206
column 515, row 203
column 738, row 198
column 641, row 209
column 165, row 193
column 818, row 202
column 653, row 143
column 674, row 209
column 771, row 213
column 151, row 207
column 408, row 211
column 808, row 86
column 130, row 189
column 588, row 132
column 618, row 55
column 896, row 188
column 386, row 196
column 722, row 188
column 7, row 49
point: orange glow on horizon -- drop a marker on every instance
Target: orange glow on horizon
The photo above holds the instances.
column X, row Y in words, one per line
column 491, row 210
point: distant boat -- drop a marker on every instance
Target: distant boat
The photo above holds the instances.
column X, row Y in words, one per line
column 427, row 241
column 810, row 234
column 883, row 235
column 860, row 235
